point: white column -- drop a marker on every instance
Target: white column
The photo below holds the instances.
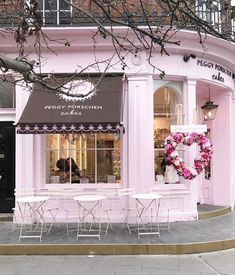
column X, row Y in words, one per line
column 191, row 152
column 39, row 161
column 223, row 143
column 190, row 101
column 140, row 158
column 24, row 146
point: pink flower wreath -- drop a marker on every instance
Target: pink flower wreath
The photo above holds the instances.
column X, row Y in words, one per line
column 201, row 161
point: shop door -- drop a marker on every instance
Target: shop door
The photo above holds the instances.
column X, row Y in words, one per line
column 7, row 166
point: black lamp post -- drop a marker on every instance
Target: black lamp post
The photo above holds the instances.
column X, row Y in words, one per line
column 209, row 109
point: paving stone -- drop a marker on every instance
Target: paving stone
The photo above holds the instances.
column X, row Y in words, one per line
column 213, row 229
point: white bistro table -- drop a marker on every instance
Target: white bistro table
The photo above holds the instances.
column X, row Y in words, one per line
column 147, row 206
column 31, row 209
column 89, row 215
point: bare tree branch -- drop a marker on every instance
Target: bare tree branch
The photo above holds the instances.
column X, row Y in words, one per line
column 151, row 25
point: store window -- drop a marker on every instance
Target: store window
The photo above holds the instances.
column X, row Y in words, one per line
column 83, row 158
column 166, row 101
column 7, row 94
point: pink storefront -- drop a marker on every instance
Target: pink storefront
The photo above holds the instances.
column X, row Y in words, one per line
column 130, row 153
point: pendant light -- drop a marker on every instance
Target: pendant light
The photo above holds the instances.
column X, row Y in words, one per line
column 209, row 109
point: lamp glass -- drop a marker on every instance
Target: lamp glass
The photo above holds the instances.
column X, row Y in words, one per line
column 209, row 114
column 209, row 110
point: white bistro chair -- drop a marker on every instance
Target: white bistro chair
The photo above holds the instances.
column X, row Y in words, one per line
column 128, row 212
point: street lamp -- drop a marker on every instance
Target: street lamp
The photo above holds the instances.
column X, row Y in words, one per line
column 209, row 109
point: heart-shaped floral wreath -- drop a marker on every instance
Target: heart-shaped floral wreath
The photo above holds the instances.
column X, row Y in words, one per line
column 201, row 161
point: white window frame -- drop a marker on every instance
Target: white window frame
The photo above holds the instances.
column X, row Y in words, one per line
column 57, row 10
column 180, row 149
column 95, row 149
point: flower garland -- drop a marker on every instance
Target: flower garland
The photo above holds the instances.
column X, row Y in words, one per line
column 201, row 161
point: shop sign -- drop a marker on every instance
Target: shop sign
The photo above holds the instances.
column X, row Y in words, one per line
column 218, row 72
column 199, row 129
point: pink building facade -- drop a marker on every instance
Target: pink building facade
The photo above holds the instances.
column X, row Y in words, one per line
column 148, row 111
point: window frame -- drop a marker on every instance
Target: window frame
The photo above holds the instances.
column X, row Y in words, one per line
column 94, row 149
column 159, row 151
column 45, row 11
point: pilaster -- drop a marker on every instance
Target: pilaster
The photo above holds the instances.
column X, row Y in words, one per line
column 140, row 133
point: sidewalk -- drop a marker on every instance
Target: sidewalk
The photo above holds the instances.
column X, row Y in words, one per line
column 213, row 263
column 205, row 235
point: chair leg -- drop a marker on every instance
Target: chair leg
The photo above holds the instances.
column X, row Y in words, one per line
column 166, row 224
column 53, row 213
column 14, row 220
column 126, row 220
column 168, row 220
column 108, row 224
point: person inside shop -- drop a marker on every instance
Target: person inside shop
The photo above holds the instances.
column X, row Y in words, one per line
column 75, row 172
column 61, row 164
column 62, row 171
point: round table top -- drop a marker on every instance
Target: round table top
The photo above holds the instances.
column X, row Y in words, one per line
column 89, row 198
column 32, row 199
column 146, row 196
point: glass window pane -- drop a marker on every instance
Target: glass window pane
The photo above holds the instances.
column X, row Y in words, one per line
column 161, row 130
column 65, row 17
column 104, row 165
column 116, row 165
column 57, row 170
column 166, row 100
column 88, row 140
column 51, row 4
column 40, row 4
column 159, row 162
column 105, row 141
column 7, row 94
column 57, row 141
column 64, row 6
column 51, row 18
column 108, row 141
column 89, row 163
column 88, row 166
column 108, row 166
column 73, row 168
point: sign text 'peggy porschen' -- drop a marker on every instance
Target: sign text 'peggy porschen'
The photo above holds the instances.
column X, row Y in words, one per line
column 219, row 72
column 72, row 109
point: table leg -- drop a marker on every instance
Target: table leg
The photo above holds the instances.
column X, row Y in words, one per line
column 143, row 211
column 84, row 214
column 28, row 221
